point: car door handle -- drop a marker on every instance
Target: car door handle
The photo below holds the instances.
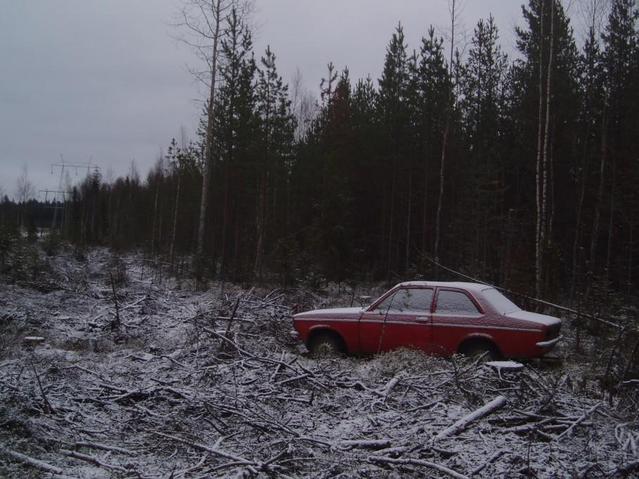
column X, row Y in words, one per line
column 422, row 319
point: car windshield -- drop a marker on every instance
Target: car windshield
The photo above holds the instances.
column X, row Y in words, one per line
column 499, row 302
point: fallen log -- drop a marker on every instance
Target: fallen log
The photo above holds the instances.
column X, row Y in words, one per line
column 460, row 425
column 30, row 461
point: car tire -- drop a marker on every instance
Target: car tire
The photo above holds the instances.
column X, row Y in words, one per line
column 325, row 345
column 480, row 350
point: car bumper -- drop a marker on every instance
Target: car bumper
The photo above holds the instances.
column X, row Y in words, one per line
column 548, row 345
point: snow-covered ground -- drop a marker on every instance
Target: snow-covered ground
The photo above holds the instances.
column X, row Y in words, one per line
column 177, row 390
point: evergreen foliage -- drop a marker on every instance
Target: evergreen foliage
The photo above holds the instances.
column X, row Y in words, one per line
column 354, row 197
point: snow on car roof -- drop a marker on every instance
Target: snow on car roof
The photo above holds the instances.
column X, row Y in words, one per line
column 448, row 284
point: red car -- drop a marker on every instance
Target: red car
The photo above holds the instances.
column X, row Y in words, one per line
column 438, row 318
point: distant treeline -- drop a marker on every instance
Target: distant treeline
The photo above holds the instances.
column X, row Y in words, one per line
column 522, row 172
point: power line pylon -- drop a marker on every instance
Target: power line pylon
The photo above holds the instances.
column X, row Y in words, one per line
column 59, row 195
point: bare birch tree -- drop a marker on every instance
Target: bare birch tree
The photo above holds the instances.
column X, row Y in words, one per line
column 303, row 104
column 204, row 22
column 455, row 8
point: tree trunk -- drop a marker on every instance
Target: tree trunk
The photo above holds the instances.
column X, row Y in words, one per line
column 225, row 219
column 425, row 207
column 600, row 190
column 216, row 5
column 155, row 215
column 440, row 197
column 391, row 221
column 610, row 222
column 175, row 218
column 578, row 221
column 538, row 167
column 408, row 217
column 546, row 165
column 257, row 270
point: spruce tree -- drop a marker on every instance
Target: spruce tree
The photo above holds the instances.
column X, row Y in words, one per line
column 393, row 117
column 619, row 175
column 483, row 106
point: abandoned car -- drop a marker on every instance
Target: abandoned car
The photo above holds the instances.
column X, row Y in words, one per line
column 438, row 318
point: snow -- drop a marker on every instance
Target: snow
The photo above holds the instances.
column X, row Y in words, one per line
column 179, row 390
column 513, row 365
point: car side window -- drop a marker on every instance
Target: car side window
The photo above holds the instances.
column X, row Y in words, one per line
column 417, row 300
column 455, row 302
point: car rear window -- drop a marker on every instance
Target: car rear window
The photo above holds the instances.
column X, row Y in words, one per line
column 408, row 300
column 499, row 302
column 455, row 302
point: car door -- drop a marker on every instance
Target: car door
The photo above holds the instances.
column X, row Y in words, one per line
column 401, row 319
column 456, row 314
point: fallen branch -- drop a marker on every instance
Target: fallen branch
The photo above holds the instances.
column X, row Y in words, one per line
column 47, row 405
column 417, row 462
column 30, row 461
column 92, row 460
column 389, row 387
column 490, row 460
column 203, row 447
column 578, row 421
column 104, row 447
column 366, row 444
column 460, row 425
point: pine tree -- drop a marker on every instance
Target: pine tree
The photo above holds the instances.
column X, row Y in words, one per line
column 236, row 128
column 274, row 153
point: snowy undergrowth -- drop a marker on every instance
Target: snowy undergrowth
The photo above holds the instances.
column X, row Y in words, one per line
column 176, row 389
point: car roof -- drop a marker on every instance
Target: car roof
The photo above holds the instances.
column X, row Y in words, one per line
column 446, row 284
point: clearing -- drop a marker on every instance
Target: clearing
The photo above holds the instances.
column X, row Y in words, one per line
column 165, row 385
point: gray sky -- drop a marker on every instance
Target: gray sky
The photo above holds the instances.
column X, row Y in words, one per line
column 106, row 80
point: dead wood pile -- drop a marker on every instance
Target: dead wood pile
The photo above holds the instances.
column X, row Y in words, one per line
column 190, row 385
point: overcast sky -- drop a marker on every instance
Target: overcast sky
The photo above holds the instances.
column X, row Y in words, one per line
column 106, row 81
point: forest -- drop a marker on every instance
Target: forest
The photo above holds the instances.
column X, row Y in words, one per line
column 519, row 170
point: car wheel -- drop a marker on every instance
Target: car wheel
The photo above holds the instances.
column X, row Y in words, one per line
column 480, row 350
column 325, row 345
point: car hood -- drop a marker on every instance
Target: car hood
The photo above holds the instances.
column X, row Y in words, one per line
column 331, row 313
column 534, row 318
